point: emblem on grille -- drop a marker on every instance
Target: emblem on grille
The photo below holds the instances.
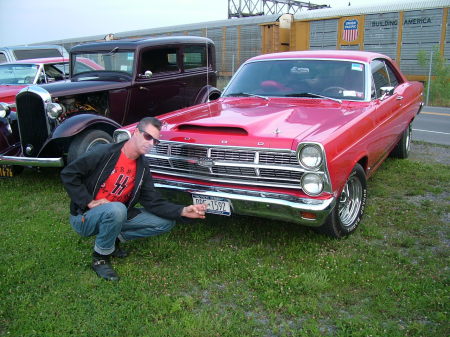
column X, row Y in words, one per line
column 205, row 162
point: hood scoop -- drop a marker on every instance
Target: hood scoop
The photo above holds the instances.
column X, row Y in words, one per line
column 223, row 130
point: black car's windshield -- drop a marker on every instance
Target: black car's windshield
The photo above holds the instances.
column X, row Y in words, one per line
column 341, row 80
column 112, row 61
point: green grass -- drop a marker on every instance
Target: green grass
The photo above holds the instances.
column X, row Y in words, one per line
column 235, row 276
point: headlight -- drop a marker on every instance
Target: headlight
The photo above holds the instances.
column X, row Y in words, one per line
column 310, row 156
column 312, row 184
column 4, row 110
column 121, row 135
column 54, row 110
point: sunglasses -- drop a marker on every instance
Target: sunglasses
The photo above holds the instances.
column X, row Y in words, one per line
column 148, row 137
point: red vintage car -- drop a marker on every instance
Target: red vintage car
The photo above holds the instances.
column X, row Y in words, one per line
column 20, row 74
column 293, row 137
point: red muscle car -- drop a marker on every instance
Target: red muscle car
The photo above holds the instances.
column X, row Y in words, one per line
column 293, row 137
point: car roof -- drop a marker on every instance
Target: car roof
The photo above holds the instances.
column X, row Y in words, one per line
column 139, row 43
column 356, row 55
column 43, row 60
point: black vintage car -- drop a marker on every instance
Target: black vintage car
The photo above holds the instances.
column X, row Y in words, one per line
column 111, row 84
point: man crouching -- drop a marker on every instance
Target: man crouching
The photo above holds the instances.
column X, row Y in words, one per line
column 105, row 184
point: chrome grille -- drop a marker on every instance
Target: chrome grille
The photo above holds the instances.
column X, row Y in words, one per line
column 260, row 167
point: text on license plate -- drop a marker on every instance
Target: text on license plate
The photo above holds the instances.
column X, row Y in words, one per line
column 216, row 205
column 6, row 171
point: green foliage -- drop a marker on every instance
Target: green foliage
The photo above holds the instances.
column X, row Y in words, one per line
column 439, row 94
column 237, row 276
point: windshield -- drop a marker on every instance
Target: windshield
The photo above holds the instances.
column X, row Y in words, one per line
column 18, row 74
column 300, row 78
column 115, row 61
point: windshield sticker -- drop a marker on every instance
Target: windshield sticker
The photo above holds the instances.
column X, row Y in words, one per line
column 123, row 68
column 352, row 93
column 298, row 70
column 130, row 56
column 357, row 66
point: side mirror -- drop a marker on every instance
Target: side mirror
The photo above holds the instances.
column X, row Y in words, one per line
column 147, row 75
column 386, row 91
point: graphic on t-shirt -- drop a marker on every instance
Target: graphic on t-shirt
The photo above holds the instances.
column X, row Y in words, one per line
column 121, row 184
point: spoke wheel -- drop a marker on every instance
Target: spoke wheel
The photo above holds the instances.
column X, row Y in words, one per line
column 401, row 150
column 344, row 219
column 350, row 201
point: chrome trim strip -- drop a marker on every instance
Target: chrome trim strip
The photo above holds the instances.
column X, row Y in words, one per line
column 276, row 206
column 30, row 161
column 229, row 181
column 234, row 163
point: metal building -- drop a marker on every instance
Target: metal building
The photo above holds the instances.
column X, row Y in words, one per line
column 397, row 30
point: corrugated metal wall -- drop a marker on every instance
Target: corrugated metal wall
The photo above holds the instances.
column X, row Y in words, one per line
column 323, row 34
column 419, row 36
column 381, row 33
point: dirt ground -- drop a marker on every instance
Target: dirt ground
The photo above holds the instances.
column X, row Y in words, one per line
column 430, row 152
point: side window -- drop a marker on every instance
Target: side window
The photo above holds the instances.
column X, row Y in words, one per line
column 380, row 77
column 2, row 58
column 392, row 76
column 194, row 57
column 159, row 61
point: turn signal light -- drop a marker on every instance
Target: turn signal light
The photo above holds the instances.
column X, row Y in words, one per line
column 308, row 215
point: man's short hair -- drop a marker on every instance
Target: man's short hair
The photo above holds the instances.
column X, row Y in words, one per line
column 149, row 120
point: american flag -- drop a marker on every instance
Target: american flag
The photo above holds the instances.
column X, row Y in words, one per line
column 350, row 30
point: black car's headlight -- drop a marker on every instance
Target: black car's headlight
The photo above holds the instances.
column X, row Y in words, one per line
column 54, row 110
column 121, row 135
column 4, row 110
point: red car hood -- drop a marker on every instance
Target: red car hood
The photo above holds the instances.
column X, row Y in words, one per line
column 272, row 123
column 8, row 92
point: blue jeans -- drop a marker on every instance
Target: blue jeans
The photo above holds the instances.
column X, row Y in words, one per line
column 109, row 221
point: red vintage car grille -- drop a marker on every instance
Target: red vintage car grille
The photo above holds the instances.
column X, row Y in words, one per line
column 261, row 167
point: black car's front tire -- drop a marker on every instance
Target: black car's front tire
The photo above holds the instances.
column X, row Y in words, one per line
column 86, row 141
column 349, row 209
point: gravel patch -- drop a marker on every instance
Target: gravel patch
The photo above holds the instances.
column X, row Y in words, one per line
column 430, row 152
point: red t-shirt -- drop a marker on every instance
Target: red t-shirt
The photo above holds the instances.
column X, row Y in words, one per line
column 119, row 185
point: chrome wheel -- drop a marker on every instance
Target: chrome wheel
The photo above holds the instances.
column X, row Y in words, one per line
column 408, row 138
column 350, row 201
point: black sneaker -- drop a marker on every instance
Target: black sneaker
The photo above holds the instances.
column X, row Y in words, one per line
column 102, row 267
column 118, row 252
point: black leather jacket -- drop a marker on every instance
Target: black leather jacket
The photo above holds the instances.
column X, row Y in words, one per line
column 83, row 177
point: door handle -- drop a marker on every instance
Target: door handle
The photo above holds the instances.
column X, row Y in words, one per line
column 144, row 88
column 399, row 98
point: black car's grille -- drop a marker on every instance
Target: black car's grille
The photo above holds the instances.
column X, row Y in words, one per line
column 261, row 167
column 33, row 123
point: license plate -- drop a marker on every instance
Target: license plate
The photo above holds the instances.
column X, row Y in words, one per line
column 6, row 171
column 220, row 206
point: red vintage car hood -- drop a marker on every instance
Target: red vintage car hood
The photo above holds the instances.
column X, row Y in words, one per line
column 8, row 93
column 277, row 122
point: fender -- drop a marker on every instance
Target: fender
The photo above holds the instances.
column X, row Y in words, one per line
column 78, row 123
column 206, row 93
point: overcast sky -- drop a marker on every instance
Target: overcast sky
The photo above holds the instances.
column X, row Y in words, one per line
column 31, row 21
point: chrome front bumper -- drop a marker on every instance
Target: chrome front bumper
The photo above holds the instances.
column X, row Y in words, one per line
column 275, row 206
column 31, row 161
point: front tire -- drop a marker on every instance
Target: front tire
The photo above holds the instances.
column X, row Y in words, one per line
column 349, row 209
column 86, row 141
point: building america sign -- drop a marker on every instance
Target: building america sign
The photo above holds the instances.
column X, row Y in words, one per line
column 412, row 21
